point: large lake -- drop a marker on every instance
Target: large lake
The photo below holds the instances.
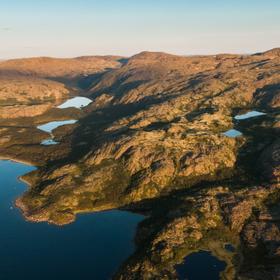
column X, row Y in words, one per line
column 93, row 247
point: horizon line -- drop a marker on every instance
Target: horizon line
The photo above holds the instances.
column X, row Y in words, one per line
column 128, row 56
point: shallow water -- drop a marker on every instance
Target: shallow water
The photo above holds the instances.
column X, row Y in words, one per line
column 76, row 102
column 48, row 142
column 93, row 247
column 248, row 115
column 50, row 126
column 233, row 133
column 199, row 266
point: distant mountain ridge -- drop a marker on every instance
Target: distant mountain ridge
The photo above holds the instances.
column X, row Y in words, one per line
column 59, row 67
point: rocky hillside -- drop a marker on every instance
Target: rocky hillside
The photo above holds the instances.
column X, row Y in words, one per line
column 27, row 96
column 30, row 87
column 153, row 141
column 48, row 67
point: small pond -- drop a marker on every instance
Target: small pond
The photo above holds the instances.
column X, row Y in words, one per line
column 48, row 142
column 232, row 133
column 251, row 114
column 50, row 126
column 248, row 115
column 200, row 265
column 76, row 102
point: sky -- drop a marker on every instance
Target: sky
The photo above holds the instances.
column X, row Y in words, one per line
column 69, row 28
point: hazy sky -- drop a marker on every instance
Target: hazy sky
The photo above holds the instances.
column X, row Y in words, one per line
column 82, row 27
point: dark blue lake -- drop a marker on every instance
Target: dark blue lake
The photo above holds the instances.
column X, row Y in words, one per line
column 93, row 247
column 200, row 265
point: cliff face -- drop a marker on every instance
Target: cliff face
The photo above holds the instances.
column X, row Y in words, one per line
column 152, row 140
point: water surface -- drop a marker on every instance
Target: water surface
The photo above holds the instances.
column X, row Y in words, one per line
column 233, row 133
column 48, row 142
column 76, row 102
column 248, row 115
column 200, row 266
column 91, row 248
column 50, row 126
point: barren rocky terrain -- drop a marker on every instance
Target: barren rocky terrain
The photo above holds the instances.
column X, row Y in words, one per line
column 31, row 86
column 152, row 141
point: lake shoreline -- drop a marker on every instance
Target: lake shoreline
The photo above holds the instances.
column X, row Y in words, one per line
column 29, row 163
column 91, row 232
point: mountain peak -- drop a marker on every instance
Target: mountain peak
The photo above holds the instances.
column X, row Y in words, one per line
column 152, row 55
